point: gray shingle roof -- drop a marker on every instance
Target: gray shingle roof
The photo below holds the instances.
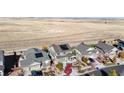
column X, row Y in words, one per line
column 30, row 55
column 69, row 55
column 104, row 47
column 58, row 48
column 82, row 48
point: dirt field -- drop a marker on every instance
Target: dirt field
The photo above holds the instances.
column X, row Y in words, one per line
column 20, row 33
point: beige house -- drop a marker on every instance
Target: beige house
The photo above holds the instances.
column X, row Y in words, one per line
column 82, row 50
column 61, row 53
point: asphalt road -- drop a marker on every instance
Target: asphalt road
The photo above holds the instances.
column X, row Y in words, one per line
column 119, row 69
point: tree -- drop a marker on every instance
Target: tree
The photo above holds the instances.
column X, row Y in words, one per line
column 73, row 51
column 45, row 48
column 60, row 66
column 114, row 60
column 85, row 59
column 112, row 72
column 121, row 54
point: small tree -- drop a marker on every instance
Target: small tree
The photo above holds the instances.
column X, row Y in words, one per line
column 85, row 59
column 104, row 62
column 73, row 51
column 60, row 66
column 45, row 48
column 114, row 60
column 121, row 55
column 112, row 72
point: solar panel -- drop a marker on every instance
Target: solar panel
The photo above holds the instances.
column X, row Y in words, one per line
column 64, row 47
column 37, row 55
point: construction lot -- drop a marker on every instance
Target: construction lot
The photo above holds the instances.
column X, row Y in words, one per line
column 21, row 33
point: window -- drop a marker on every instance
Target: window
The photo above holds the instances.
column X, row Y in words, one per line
column 37, row 55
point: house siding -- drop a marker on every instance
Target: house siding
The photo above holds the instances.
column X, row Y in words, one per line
column 78, row 55
column 1, row 62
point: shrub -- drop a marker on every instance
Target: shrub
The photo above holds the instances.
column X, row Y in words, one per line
column 45, row 48
column 121, row 54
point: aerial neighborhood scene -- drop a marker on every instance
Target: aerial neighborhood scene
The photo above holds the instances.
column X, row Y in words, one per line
column 44, row 46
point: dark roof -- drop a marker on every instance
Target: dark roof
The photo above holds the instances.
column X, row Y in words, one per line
column 64, row 47
column 104, row 47
column 82, row 48
column 61, row 48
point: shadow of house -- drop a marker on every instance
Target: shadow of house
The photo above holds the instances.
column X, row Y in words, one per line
column 10, row 62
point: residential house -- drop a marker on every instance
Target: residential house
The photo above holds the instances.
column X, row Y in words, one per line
column 1, row 62
column 106, row 49
column 83, row 50
column 34, row 59
column 61, row 53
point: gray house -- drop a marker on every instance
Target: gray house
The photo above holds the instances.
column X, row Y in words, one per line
column 106, row 49
column 82, row 50
column 61, row 53
column 1, row 62
column 34, row 59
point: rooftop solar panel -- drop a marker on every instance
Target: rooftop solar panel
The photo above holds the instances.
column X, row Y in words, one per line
column 64, row 47
column 38, row 55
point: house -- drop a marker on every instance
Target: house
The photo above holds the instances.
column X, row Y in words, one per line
column 34, row 59
column 106, row 49
column 61, row 53
column 83, row 50
column 1, row 62
column 120, row 44
column 59, row 50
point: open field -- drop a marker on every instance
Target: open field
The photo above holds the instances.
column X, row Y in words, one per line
column 20, row 33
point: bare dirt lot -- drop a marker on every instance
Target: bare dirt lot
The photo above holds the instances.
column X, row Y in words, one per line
column 20, row 33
